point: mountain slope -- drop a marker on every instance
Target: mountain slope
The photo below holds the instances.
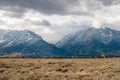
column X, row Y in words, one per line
column 27, row 43
column 92, row 42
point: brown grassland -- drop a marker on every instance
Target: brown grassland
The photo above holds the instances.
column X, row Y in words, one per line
column 60, row 69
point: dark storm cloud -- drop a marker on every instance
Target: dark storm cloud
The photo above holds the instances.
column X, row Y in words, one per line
column 13, row 11
column 14, row 14
column 40, row 23
column 45, row 22
column 62, row 7
column 110, row 2
column 44, row 6
column 107, row 2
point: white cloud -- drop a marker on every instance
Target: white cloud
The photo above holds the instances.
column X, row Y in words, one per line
column 92, row 12
column 96, row 24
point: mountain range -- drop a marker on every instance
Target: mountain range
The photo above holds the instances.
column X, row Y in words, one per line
column 26, row 43
column 84, row 42
column 92, row 42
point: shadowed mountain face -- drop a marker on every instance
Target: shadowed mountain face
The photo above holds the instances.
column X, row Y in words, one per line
column 92, row 42
column 27, row 43
column 86, row 42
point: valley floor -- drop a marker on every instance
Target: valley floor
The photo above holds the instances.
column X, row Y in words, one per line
column 60, row 69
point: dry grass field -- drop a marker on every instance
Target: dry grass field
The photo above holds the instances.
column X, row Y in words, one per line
column 60, row 69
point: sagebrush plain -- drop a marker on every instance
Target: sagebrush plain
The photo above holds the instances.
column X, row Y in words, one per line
column 60, row 69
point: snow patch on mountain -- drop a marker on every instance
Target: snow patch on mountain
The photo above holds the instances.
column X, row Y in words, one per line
column 91, row 40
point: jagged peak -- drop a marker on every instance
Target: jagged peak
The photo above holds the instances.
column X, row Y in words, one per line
column 19, row 32
column 19, row 36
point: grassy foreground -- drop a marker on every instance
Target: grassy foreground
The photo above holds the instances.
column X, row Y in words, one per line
column 60, row 69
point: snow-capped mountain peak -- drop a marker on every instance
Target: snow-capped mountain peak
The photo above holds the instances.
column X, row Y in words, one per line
column 27, row 43
column 18, row 36
column 92, row 40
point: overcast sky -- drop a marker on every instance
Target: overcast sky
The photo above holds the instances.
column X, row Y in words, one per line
column 53, row 19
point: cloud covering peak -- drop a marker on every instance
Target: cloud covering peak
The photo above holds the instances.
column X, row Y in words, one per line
column 58, row 17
